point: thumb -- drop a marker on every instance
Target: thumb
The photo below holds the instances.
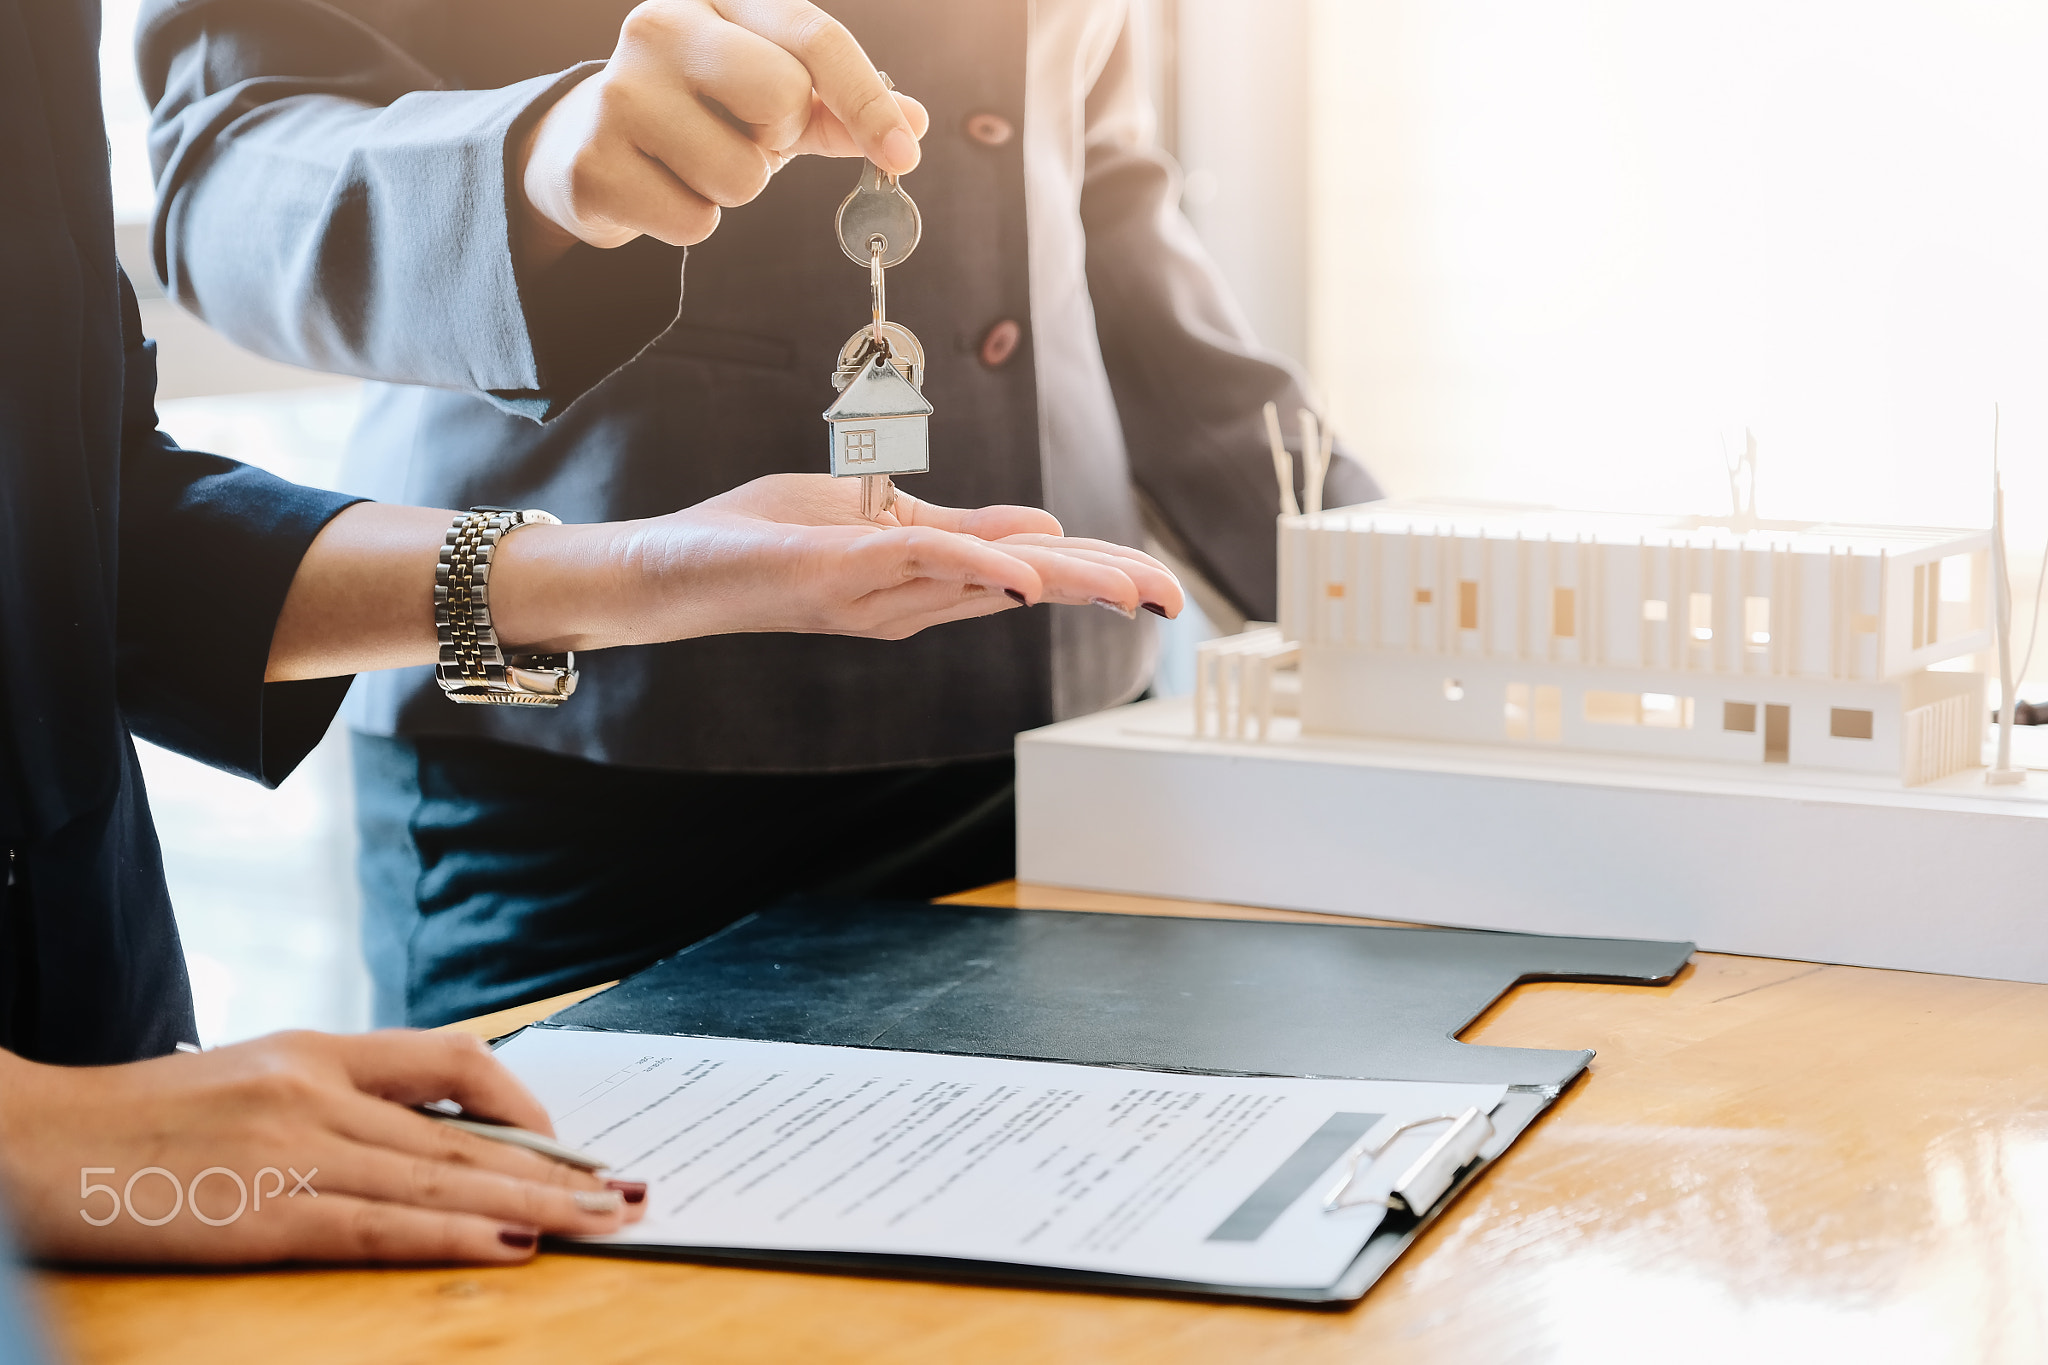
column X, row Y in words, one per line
column 983, row 523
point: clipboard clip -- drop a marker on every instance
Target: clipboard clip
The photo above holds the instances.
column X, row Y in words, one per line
column 1427, row 1177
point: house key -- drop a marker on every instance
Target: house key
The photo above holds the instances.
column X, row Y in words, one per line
column 878, row 207
column 880, row 422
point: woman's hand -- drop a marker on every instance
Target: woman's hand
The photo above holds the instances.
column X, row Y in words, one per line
column 294, row 1147
column 791, row 552
column 786, row 552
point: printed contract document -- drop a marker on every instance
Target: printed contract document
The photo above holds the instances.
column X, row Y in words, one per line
column 1216, row 1180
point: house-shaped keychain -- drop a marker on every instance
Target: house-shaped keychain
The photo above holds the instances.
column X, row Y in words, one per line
column 880, row 423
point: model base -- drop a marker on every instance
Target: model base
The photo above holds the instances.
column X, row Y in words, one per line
column 1828, row 867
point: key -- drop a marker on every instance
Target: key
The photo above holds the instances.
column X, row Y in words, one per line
column 878, row 207
column 879, row 425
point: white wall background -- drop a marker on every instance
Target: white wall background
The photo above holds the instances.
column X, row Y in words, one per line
column 1239, row 127
column 1568, row 251
column 1558, row 249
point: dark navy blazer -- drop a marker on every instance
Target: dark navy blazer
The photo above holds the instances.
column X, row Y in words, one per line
column 139, row 586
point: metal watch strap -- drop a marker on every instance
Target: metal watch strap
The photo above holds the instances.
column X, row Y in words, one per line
column 473, row 669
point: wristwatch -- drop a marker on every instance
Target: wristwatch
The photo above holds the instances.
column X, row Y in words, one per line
column 473, row 670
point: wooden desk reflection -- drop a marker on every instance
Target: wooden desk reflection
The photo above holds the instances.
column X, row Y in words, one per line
column 1770, row 1160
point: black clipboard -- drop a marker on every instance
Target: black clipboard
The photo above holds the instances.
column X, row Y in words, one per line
column 1160, row 993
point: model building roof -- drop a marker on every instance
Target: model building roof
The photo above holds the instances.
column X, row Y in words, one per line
column 878, row 391
column 1506, row 521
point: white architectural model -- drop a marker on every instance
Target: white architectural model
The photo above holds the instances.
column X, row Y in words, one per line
column 1749, row 734
column 1812, row 646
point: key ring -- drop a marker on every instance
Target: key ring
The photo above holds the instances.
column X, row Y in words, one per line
column 876, row 245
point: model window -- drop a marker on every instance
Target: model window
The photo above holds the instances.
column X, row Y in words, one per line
column 1756, row 623
column 1955, row 607
column 1468, row 604
column 1656, row 609
column 1515, row 712
column 1660, row 710
column 1423, row 597
column 1956, row 574
column 1564, row 613
column 1614, row 708
column 1739, row 716
column 860, row 446
column 1667, row 712
column 1777, row 733
column 1844, row 723
column 1700, row 610
column 1546, row 721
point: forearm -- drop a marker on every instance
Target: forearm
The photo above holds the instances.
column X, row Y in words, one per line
column 379, row 202
column 363, row 597
column 340, row 194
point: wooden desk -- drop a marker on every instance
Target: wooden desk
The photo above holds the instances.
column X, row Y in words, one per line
column 1770, row 1161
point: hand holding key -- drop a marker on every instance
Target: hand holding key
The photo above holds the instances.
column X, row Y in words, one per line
column 701, row 102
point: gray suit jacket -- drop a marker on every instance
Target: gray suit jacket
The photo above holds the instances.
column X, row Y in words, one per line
column 333, row 192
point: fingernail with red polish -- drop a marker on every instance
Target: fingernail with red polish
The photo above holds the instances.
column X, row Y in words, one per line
column 519, row 1239
column 632, row 1191
column 1015, row 596
column 1154, row 608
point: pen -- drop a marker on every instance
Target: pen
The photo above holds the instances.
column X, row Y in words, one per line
column 497, row 1132
column 518, row 1137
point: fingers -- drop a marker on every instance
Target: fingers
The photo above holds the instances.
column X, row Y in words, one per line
column 704, row 99
column 588, row 176
column 411, row 1067
column 371, row 1171
column 754, row 81
column 988, row 523
column 846, row 81
column 898, row 613
column 343, row 1227
column 1079, row 580
column 825, row 135
column 943, row 579
column 886, row 559
column 1066, row 542
column 1152, row 585
column 380, row 1123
